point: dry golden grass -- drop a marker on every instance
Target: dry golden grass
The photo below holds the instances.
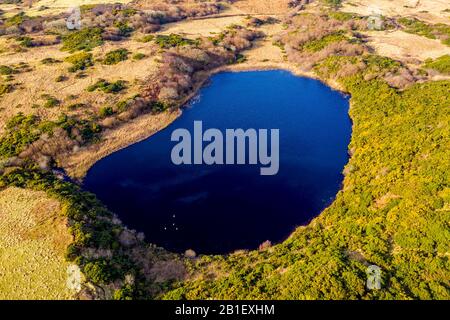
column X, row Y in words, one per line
column 269, row 7
column 78, row 163
column 30, row 86
column 397, row 44
column 33, row 239
column 44, row 7
column 201, row 27
column 429, row 10
column 406, row 46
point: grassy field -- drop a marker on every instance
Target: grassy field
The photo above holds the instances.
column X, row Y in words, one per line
column 45, row 7
column 33, row 240
column 432, row 11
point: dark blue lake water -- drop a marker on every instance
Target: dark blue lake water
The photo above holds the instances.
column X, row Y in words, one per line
column 218, row 208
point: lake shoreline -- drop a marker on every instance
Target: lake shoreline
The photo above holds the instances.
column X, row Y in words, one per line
column 316, row 133
column 78, row 164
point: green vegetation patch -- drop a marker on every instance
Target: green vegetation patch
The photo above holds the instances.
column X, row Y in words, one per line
column 342, row 16
column 172, row 40
column 85, row 39
column 330, row 66
column 441, row 64
column 320, row 44
column 108, row 87
column 6, row 88
column 80, row 61
column 124, row 28
column 116, row 56
column 21, row 131
column 147, row 38
column 105, row 112
column 333, row 3
column 6, row 70
column 25, row 41
column 50, row 61
column 378, row 64
column 50, row 101
column 432, row 31
column 16, row 20
column 139, row 56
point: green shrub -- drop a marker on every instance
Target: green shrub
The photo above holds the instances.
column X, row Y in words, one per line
column 432, row 31
column 80, row 61
column 105, row 112
column 342, row 16
column 76, row 106
column 126, row 12
column 416, row 26
column 378, row 64
column 123, row 105
column 6, row 88
column 25, row 41
column 21, row 130
column 61, row 78
column 125, row 293
column 99, row 271
column 16, row 20
column 107, row 87
column 48, row 61
column 441, row 64
column 124, row 29
column 319, row 44
column 172, row 40
column 240, row 58
column 84, row 39
column 147, row 38
column 88, row 129
column 333, row 3
column 159, row 106
column 6, row 70
column 50, row 101
column 116, row 56
column 138, row 56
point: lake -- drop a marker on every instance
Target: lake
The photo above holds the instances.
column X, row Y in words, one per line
column 216, row 209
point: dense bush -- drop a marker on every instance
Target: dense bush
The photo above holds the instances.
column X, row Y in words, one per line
column 84, row 39
column 5, row 88
column 6, row 70
column 320, row 44
column 105, row 112
column 108, row 87
column 172, row 40
column 50, row 101
column 116, row 56
column 139, row 56
column 80, row 61
column 21, row 131
column 123, row 28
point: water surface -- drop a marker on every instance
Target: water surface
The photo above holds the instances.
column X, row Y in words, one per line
column 218, row 209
